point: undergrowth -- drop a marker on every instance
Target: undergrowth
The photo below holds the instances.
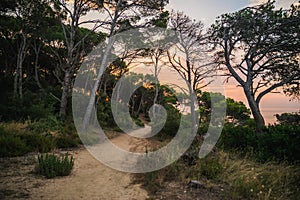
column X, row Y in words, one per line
column 241, row 177
column 50, row 165
column 45, row 135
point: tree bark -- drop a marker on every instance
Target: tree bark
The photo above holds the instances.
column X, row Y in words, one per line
column 37, row 49
column 156, row 87
column 111, row 40
column 91, row 104
column 254, row 106
column 65, row 94
column 18, row 80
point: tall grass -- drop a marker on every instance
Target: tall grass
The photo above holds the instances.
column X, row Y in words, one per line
column 241, row 177
column 250, row 179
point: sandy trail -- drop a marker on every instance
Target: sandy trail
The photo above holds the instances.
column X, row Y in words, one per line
column 92, row 180
column 89, row 179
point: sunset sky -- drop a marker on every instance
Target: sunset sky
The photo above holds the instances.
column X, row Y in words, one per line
column 207, row 11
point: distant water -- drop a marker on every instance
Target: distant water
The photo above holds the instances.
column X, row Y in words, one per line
column 269, row 113
column 271, row 104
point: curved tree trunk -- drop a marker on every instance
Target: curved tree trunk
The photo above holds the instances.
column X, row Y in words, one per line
column 254, row 106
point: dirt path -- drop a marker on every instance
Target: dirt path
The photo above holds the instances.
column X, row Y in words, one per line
column 89, row 179
column 92, row 180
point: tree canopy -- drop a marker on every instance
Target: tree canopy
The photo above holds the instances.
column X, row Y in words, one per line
column 259, row 46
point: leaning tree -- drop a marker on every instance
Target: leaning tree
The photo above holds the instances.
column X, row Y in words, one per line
column 259, row 47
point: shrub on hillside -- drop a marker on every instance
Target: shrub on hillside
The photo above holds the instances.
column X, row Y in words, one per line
column 280, row 142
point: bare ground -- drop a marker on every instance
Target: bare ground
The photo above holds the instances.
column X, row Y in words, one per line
column 89, row 179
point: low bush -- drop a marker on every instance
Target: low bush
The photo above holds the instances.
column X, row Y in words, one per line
column 51, row 165
column 210, row 167
column 11, row 145
column 289, row 118
column 63, row 134
column 278, row 142
column 17, row 139
column 46, row 125
column 138, row 122
column 35, row 105
column 66, row 142
column 171, row 126
column 37, row 142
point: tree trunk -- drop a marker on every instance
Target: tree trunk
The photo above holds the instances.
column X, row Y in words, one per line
column 36, row 73
column 111, row 40
column 18, row 80
column 192, row 93
column 21, row 82
column 254, row 106
column 65, row 93
column 37, row 49
column 140, row 106
column 156, row 88
column 91, row 104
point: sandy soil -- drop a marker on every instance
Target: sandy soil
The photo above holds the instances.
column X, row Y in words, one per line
column 89, row 179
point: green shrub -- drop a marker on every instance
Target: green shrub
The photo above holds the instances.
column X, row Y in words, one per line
column 17, row 139
column 11, row 145
column 171, row 125
column 280, row 142
column 211, row 167
column 238, row 137
column 277, row 142
column 45, row 125
column 52, row 165
column 66, row 142
column 138, row 122
column 289, row 118
column 17, row 143
column 35, row 105
column 37, row 142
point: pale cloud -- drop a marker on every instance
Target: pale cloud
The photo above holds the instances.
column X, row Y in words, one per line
column 279, row 3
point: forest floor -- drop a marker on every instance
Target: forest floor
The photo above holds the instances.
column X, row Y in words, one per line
column 89, row 179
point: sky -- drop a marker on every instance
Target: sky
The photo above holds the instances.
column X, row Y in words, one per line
column 207, row 11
